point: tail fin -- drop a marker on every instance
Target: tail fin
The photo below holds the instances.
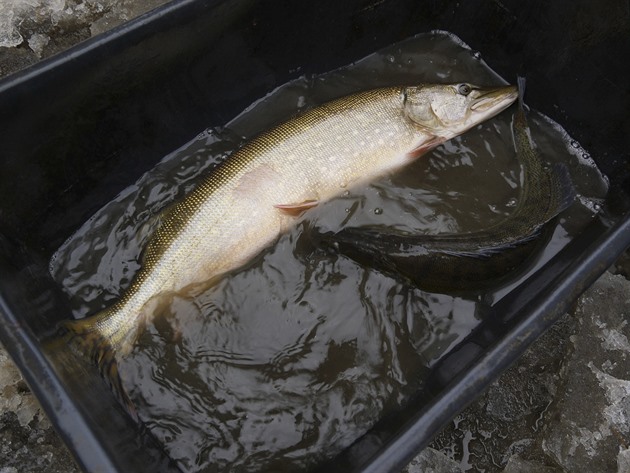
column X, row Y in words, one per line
column 520, row 113
column 87, row 341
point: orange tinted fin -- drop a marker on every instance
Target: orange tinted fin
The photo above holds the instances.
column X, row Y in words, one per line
column 86, row 341
column 295, row 210
column 423, row 148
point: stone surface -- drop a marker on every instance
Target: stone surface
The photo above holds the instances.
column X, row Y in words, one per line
column 35, row 29
column 28, row 443
column 517, row 465
column 432, row 461
column 623, row 461
column 592, row 412
column 565, row 405
column 506, row 422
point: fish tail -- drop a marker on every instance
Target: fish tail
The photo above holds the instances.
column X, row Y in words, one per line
column 520, row 114
column 85, row 339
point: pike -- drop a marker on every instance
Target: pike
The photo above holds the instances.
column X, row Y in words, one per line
column 257, row 193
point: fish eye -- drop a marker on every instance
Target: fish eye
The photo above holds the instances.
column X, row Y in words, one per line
column 464, row 89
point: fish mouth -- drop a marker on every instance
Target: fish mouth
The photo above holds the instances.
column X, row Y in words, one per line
column 495, row 99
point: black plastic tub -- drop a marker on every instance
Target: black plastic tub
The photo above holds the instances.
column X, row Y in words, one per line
column 78, row 128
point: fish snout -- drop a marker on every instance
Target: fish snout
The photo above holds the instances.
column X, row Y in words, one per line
column 494, row 99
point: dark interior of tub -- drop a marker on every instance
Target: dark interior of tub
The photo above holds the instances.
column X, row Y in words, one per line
column 79, row 128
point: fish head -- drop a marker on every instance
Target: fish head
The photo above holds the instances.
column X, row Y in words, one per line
column 447, row 110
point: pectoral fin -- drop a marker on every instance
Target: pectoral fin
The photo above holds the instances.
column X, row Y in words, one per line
column 295, row 210
column 425, row 147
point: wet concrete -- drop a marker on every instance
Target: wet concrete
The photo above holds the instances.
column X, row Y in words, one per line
column 28, row 443
column 565, row 406
column 34, row 29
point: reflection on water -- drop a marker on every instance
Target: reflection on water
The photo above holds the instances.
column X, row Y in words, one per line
column 287, row 361
column 276, row 367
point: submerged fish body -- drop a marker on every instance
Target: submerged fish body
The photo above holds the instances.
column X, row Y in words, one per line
column 256, row 194
column 464, row 262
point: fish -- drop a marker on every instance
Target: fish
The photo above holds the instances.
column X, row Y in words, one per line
column 262, row 189
column 469, row 261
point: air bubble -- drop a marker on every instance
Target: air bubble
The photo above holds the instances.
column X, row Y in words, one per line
column 575, row 144
column 476, row 54
column 204, row 134
column 391, row 58
column 511, row 203
column 346, row 210
column 378, row 211
column 593, row 205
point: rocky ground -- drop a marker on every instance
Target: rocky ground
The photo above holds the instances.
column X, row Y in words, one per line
column 565, row 406
column 34, row 29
